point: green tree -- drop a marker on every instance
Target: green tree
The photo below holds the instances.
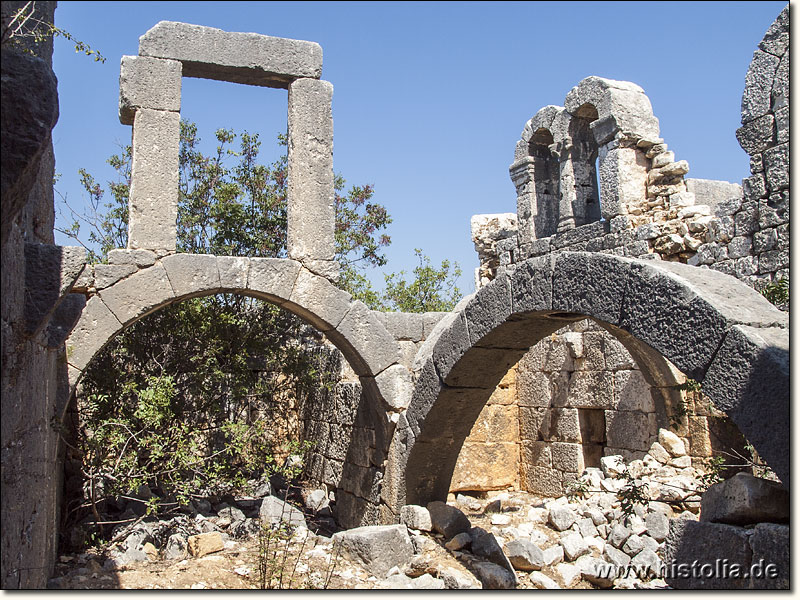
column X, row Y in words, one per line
column 431, row 289
column 202, row 395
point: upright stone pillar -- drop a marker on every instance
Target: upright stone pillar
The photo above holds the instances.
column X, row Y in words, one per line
column 567, row 194
column 150, row 100
column 310, row 194
column 522, row 175
column 623, row 179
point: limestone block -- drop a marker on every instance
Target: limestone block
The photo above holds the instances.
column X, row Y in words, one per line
column 315, row 299
column 591, row 389
column 590, row 284
column 95, row 327
column 630, row 430
column 623, row 180
column 776, row 40
column 782, row 124
column 531, row 285
column 471, row 473
column 744, row 499
column 377, row 547
column 373, row 349
column 757, row 135
column 192, row 274
column 416, row 517
column 248, row 58
column 451, row 345
column 616, row 355
column 153, row 200
column 488, row 308
column 139, row 258
column 749, row 380
column 544, row 481
column 233, row 272
column 493, row 576
column 574, row 547
column 774, row 210
column 394, row 384
column 309, row 194
column 403, row 326
column 108, row 275
column 561, row 425
column 525, row 555
column 536, row 453
column 776, row 162
column 205, row 543
column 780, row 90
column 632, row 392
column 700, row 544
column 671, row 442
column 567, row 457
column 139, row 294
column 758, row 83
column 770, row 543
column 146, row 82
column 496, row 423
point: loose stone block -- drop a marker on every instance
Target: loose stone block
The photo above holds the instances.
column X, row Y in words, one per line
column 248, row 58
column 310, row 196
column 744, row 499
column 447, row 520
column 153, row 200
column 148, row 83
column 416, row 517
column 377, row 547
column 205, row 543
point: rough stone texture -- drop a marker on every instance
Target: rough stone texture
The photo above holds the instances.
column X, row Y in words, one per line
column 309, row 193
column 375, row 350
column 95, row 327
column 316, row 300
column 139, row 294
column 273, row 277
column 148, row 83
column 192, row 274
column 153, row 199
column 770, row 543
column 525, row 555
column 205, row 543
column 416, row 517
column 705, row 543
column 494, row 577
column 249, row 58
column 274, row 511
column 447, row 520
column 378, row 547
column 744, row 499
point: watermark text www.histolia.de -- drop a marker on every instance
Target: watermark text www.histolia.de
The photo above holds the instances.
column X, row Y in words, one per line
column 721, row 568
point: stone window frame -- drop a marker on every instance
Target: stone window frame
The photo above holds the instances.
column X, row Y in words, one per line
column 150, row 101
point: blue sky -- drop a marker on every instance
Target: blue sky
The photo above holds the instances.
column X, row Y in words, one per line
column 430, row 98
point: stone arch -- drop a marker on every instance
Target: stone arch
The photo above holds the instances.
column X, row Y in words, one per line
column 714, row 328
column 372, row 352
column 619, row 115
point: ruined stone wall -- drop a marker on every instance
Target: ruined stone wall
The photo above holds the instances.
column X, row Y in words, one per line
column 33, row 376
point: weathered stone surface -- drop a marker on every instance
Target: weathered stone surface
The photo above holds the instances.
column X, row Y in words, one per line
column 272, row 278
column 148, row 83
column 274, row 511
column 153, row 198
column 30, row 86
column 64, row 319
column 744, row 499
column 248, row 58
column 403, row 326
column 373, row 350
column 574, row 546
column 416, row 517
column 543, row 582
column 316, row 300
column 531, row 285
column 770, row 543
column 233, row 272
column 671, row 442
column 630, row 430
column 470, row 473
column 525, row 555
column 657, row 525
column 494, row 577
column 139, row 258
column 561, row 517
column 757, row 135
column 50, row 272
column 447, row 520
column 705, row 543
column 205, row 543
column 95, row 327
column 139, row 294
column 108, row 275
column 590, row 284
column 459, row 541
column 749, row 380
column 378, row 547
column 758, row 83
column 776, row 162
column 776, row 40
column 192, row 274
column 310, row 201
column 488, row 308
column 485, row 545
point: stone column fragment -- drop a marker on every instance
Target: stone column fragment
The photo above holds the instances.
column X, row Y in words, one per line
column 623, row 179
column 310, row 194
column 153, row 201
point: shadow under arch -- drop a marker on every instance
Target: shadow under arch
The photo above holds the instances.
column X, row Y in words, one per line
column 711, row 326
column 347, row 323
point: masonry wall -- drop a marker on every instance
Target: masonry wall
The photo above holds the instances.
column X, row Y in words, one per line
column 33, row 374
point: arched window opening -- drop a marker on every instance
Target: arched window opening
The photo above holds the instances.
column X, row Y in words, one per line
column 586, row 204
